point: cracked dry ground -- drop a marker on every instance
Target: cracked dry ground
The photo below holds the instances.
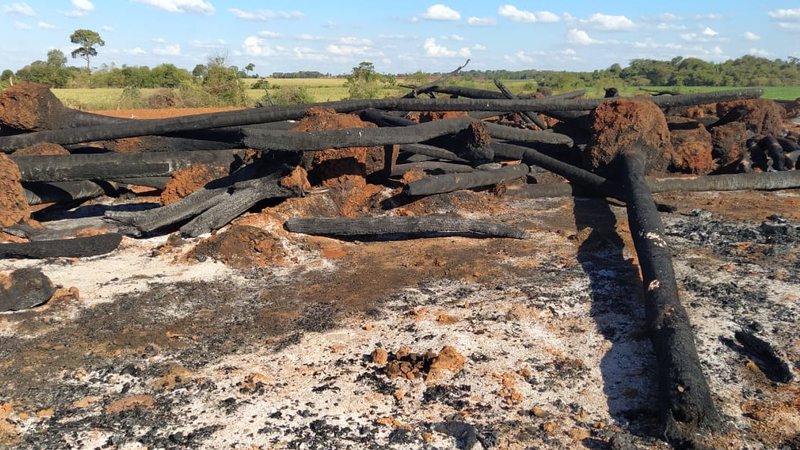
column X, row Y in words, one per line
column 158, row 352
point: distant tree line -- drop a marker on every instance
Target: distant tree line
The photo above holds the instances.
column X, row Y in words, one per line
column 300, row 74
column 747, row 70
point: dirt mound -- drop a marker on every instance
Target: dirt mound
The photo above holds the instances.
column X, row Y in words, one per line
column 13, row 206
column 190, row 179
column 700, row 111
column 617, row 124
column 164, row 98
column 762, row 117
column 29, row 106
column 241, row 247
column 343, row 170
column 691, row 147
column 729, row 142
column 42, row 149
column 430, row 116
column 428, row 365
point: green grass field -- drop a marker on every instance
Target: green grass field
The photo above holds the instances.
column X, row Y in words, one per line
column 331, row 89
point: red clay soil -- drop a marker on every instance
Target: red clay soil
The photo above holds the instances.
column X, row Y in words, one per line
column 700, row 111
column 13, row 206
column 241, row 247
column 42, row 149
column 343, row 170
column 729, row 142
column 763, row 117
column 162, row 113
column 691, row 148
column 430, row 116
column 297, row 179
column 617, row 124
column 190, row 179
column 29, row 106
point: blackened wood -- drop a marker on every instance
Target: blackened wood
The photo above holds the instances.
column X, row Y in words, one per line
column 452, row 182
column 61, row 191
column 430, row 150
column 105, row 166
column 278, row 113
column 25, row 288
column 426, row 87
column 529, row 116
column 431, row 166
column 686, row 403
column 765, row 357
column 400, row 225
column 68, row 248
column 761, row 181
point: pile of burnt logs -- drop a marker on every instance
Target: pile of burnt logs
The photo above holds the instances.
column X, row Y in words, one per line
column 495, row 138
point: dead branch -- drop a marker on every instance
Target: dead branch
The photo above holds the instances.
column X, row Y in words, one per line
column 403, row 226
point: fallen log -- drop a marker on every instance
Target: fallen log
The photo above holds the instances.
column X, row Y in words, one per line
column 397, row 225
column 105, row 166
column 764, row 355
column 274, row 114
column 759, row 181
column 431, row 166
column 63, row 248
column 430, row 150
column 234, row 204
column 684, row 394
column 452, row 182
column 528, row 116
column 369, row 137
column 426, row 87
column 61, row 191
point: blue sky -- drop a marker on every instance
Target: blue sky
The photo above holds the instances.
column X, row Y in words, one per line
column 401, row 36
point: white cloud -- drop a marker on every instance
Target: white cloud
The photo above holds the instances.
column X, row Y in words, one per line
column 46, row 26
column 515, row 14
column 453, row 37
column 396, row 37
column 785, row 14
column 479, row 47
column 789, row 26
column 168, row 50
column 717, row 50
column 264, row 15
column 709, row 16
column 669, row 26
column 610, row 23
column 350, row 40
column 667, row 17
column 83, row 5
column 135, row 51
column 215, row 44
column 440, row 12
column 107, row 28
column 159, row 40
column 256, row 46
column 580, row 37
column 758, row 52
column 709, row 32
column 20, row 9
column 181, row 6
column 435, row 50
column 268, row 34
column 21, row 25
column 750, row 36
column 482, row 21
column 346, row 50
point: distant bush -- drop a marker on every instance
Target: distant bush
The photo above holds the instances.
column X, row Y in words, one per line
column 288, row 95
column 165, row 98
column 130, row 98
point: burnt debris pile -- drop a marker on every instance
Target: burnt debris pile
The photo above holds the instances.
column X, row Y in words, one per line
column 369, row 157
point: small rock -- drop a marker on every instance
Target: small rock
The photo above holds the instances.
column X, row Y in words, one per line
column 23, row 289
column 380, row 356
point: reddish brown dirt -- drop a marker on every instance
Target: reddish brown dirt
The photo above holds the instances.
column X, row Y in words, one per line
column 344, row 171
column 429, row 365
column 297, row 179
column 164, row 98
column 763, row 117
column 13, row 207
column 42, row 149
column 729, row 142
column 691, row 148
column 242, row 247
column 429, row 116
column 160, row 113
column 617, row 124
column 700, row 111
column 29, row 106
column 190, row 179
